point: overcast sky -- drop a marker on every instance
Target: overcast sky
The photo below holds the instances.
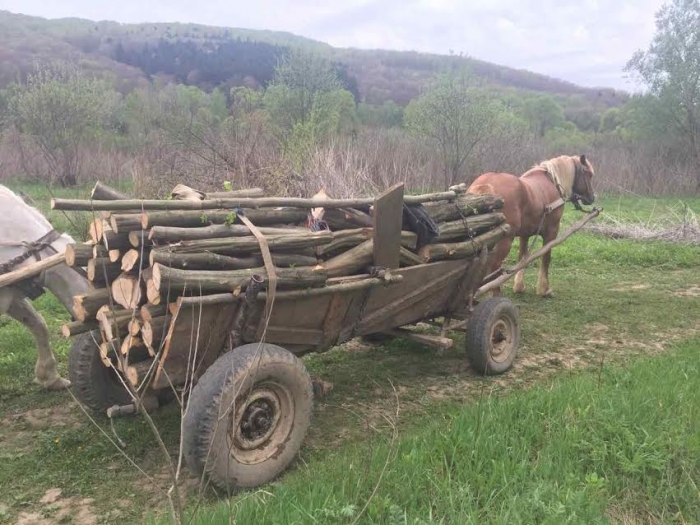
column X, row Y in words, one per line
column 584, row 41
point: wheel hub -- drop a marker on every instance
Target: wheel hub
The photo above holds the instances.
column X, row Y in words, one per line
column 501, row 340
column 261, row 423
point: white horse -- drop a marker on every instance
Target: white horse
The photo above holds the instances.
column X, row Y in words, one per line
column 25, row 236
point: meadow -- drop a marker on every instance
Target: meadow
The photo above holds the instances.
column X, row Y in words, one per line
column 596, row 423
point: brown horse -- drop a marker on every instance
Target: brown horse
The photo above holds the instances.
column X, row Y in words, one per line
column 532, row 206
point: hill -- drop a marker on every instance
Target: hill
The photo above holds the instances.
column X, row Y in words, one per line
column 209, row 56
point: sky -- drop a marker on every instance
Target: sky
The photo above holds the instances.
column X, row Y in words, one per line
column 587, row 42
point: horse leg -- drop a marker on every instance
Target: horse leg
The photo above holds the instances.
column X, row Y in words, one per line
column 519, row 281
column 45, row 372
column 543, row 288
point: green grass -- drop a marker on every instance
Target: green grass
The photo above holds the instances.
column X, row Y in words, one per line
column 617, row 302
column 614, row 445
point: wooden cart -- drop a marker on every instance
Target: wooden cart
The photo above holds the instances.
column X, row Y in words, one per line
column 250, row 406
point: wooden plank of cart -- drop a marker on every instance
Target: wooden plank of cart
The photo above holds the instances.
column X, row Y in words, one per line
column 251, row 403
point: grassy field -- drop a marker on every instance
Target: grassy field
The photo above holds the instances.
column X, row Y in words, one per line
column 596, row 423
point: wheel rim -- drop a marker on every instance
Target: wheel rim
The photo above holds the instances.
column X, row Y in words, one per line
column 261, row 424
column 501, row 339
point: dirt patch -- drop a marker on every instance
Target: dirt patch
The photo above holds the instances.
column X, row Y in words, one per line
column 693, row 291
column 55, row 509
column 631, row 286
column 17, row 430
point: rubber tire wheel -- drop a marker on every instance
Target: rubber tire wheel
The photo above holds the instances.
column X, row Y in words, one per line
column 478, row 337
column 239, row 371
column 95, row 385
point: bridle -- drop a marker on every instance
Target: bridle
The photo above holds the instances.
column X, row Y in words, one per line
column 575, row 197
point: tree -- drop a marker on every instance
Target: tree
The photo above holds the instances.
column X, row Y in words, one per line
column 61, row 110
column 299, row 78
column 671, row 70
column 543, row 113
column 455, row 117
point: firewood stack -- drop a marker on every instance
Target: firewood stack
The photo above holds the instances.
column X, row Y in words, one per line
column 140, row 260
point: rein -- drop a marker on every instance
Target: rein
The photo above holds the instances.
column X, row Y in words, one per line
column 30, row 249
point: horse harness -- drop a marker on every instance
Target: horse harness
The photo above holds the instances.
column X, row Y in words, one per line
column 32, row 287
column 30, row 249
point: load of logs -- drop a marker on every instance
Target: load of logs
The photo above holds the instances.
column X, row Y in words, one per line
column 143, row 255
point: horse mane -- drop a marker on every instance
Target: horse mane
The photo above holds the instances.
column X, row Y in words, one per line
column 562, row 169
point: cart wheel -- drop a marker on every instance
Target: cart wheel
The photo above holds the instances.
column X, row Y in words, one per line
column 493, row 336
column 95, row 385
column 247, row 416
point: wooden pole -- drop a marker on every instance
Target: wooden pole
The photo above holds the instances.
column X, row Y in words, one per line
column 536, row 255
column 204, row 281
column 102, row 192
column 462, row 250
column 213, row 204
column 31, row 270
column 242, row 245
column 350, row 261
column 78, row 327
column 469, row 226
column 79, row 254
column 248, row 192
column 214, row 231
column 193, row 219
column 86, row 306
column 464, row 206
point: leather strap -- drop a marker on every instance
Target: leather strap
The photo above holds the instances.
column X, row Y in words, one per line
column 269, row 265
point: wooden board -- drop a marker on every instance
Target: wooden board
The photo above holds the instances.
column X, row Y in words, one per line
column 388, row 218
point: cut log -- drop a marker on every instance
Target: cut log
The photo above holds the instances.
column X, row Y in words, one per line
column 113, row 323
column 129, row 342
column 138, row 237
column 461, row 250
column 79, row 254
column 150, row 312
column 126, row 291
column 113, row 240
column 185, row 193
column 153, row 332
column 137, row 373
column 193, row 219
column 96, row 229
column 244, row 245
column 134, row 326
column 152, row 293
column 469, row 226
column 125, row 222
column 77, row 327
column 102, row 192
column 248, row 192
column 213, row 261
column 98, row 250
column 214, row 231
column 351, row 261
column 345, row 239
column 86, row 306
column 102, row 270
column 464, row 206
column 107, row 351
column 114, row 255
column 177, row 282
column 214, row 204
column 408, row 258
column 346, row 218
column 131, row 260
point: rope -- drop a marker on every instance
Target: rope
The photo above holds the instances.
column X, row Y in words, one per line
column 269, row 265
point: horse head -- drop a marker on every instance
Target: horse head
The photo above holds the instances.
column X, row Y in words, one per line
column 582, row 189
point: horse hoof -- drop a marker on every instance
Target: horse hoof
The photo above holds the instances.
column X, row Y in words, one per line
column 549, row 294
column 57, row 384
column 519, row 289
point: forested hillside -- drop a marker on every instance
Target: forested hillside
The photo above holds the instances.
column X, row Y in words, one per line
column 159, row 102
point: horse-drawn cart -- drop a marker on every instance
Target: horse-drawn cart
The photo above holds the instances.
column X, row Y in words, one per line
column 237, row 354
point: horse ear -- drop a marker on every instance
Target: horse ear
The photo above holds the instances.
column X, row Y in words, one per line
column 583, row 160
